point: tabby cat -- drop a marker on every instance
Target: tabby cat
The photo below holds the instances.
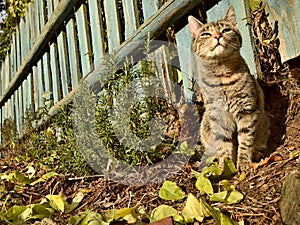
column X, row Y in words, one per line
column 234, row 123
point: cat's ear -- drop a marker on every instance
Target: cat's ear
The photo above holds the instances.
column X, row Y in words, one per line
column 194, row 25
column 230, row 16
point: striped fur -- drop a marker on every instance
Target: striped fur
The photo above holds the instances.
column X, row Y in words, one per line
column 234, row 124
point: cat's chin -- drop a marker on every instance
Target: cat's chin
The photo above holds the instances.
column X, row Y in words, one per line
column 218, row 52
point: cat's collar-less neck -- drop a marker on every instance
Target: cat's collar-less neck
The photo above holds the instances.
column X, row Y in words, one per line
column 225, row 66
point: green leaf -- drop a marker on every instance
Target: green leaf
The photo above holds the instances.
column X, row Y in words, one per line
column 22, row 178
column 30, row 171
column 44, row 178
column 95, row 218
column 203, row 184
column 170, row 191
column 162, row 212
column 131, row 215
column 219, row 217
column 56, row 202
column 229, row 169
column 75, row 202
column 254, row 4
column 229, row 196
column 194, row 209
column 13, row 215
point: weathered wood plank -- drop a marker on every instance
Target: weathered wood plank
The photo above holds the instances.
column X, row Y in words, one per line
column 131, row 17
column 112, row 24
column 21, row 112
column 31, row 20
column 49, row 8
column 35, row 89
column 47, row 78
column 36, row 17
column 287, row 13
column 27, row 32
column 18, row 48
column 42, row 15
column 149, row 8
column 13, row 54
column 6, row 71
column 84, row 40
column 23, row 39
column 24, row 95
column 37, row 86
column 96, row 29
column 1, row 78
column 30, row 91
column 73, row 53
column 55, row 73
column 63, row 63
column 184, row 42
column 172, row 11
column 242, row 13
column 58, row 17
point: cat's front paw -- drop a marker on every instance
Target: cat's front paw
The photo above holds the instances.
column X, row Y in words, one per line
column 245, row 165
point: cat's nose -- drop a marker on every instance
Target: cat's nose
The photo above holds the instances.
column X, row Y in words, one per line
column 217, row 36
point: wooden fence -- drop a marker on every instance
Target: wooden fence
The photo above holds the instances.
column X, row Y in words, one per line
column 61, row 42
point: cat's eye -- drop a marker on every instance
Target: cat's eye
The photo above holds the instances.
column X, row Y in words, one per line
column 226, row 30
column 205, row 34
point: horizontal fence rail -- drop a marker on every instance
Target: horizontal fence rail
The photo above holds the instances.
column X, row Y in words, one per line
column 59, row 43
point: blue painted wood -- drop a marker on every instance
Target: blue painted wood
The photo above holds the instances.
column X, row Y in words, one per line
column 149, row 7
column 30, row 91
column 112, row 24
column 84, row 41
column 31, row 21
column 184, row 42
column 73, row 53
column 6, row 72
column 63, row 63
column 35, row 89
column 17, row 113
column 54, row 73
column 217, row 12
column 40, row 87
column 287, row 13
column 49, row 8
column 36, row 17
column 21, row 112
column 24, row 95
column 96, row 30
column 18, row 49
column 131, row 17
column 23, row 39
column 47, row 78
column 1, row 78
column 42, row 16
column 12, row 59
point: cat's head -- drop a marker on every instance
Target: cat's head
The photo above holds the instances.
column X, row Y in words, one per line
column 216, row 40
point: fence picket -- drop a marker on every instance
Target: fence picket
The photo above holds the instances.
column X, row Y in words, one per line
column 112, row 24
column 63, row 63
column 73, row 53
column 54, row 73
column 184, row 41
column 149, row 8
column 36, row 17
column 84, row 41
column 47, row 77
column 20, row 101
column 131, row 17
column 96, row 30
